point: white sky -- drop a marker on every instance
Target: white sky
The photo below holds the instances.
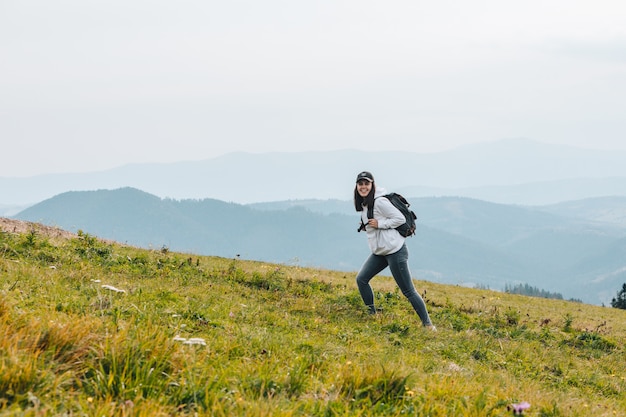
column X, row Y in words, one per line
column 93, row 84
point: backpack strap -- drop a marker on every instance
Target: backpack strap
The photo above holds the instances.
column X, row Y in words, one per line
column 370, row 215
column 370, row 211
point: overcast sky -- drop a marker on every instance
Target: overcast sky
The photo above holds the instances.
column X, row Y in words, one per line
column 94, row 84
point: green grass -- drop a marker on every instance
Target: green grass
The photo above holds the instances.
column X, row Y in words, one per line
column 275, row 340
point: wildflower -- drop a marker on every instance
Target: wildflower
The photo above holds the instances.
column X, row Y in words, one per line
column 518, row 409
column 112, row 288
column 33, row 399
column 454, row 367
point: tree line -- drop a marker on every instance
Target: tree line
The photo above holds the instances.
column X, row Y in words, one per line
column 525, row 289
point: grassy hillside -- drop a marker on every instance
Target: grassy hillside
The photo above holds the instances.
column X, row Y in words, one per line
column 101, row 329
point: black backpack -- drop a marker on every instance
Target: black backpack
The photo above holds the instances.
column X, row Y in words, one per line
column 408, row 228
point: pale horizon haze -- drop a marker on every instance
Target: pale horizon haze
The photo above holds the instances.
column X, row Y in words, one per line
column 93, row 85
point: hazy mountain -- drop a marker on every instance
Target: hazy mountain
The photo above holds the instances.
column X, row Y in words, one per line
column 10, row 209
column 202, row 226
column 508, row 171
column 533, row 193
column 611, row 210
column 492, row 223
column 330, row 206
column 459, row 240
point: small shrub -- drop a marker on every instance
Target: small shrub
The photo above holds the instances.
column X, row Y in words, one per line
column 128, row 366
column 271, row 281
column 458, row 320
column 261, row 387
column 396, row 328
column 479, row 355
column 512, row 317
column 567, row 327
column 589, row 340
column 371, row 389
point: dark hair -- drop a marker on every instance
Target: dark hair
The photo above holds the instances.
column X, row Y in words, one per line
column 368, row 201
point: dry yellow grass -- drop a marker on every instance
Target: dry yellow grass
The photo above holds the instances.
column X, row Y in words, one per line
column 281, row 341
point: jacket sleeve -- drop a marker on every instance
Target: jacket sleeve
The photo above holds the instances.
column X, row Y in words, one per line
column 390, row 217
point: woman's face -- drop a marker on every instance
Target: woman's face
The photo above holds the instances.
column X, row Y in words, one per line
column 363, row 187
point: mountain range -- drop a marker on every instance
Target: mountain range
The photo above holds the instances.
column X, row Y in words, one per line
column 513, row 171
column 504, row 212
column 576, row 249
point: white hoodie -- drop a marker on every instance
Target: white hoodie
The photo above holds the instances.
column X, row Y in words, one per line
column 385, row 239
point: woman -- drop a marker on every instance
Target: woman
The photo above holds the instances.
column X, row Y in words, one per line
column 386, row 244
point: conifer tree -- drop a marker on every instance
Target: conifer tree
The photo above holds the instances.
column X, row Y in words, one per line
column 620, row 300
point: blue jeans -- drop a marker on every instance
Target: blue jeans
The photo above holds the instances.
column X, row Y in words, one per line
column 398, row 263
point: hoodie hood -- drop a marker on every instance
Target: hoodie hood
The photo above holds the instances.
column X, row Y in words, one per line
column 380, row 191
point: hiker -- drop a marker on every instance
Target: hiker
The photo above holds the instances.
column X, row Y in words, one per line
column 386, row 244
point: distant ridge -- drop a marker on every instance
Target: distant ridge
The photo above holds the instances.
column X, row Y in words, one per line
column 532, row 194
column 510, row 171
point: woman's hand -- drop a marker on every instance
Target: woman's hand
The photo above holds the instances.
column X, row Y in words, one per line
column 373, row 223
